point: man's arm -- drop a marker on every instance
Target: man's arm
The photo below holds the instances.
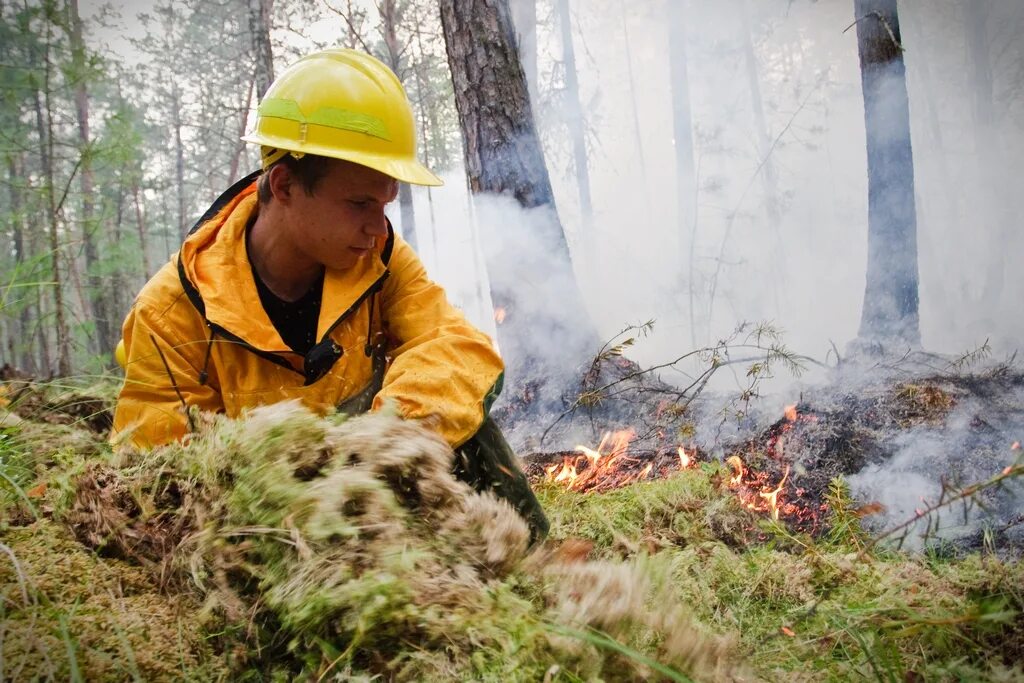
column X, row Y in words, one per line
column 165, row 354
column 445, row 370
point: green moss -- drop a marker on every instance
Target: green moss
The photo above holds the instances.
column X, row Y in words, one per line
column 67, row 610
column 298, row 552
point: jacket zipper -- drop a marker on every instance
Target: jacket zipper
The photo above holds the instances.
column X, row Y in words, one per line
column 276, row 357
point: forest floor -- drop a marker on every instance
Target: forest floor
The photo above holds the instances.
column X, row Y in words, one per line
column 292, row 546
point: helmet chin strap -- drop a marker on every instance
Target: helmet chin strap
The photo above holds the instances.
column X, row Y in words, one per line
column 271, row 155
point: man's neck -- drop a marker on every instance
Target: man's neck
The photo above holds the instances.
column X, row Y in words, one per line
column 284, row 270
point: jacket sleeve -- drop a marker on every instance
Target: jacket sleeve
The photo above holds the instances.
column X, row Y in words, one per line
column 444, row 370
column 149, row 411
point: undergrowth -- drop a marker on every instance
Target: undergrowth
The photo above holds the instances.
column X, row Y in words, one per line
column 294, row 547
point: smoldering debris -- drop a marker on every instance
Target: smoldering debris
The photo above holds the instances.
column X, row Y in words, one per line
column 906, row 443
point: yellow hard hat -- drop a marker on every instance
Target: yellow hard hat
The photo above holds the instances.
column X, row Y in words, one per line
column 120, row 355
column 342, row 104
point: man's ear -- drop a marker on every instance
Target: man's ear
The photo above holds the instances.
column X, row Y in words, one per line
column 282, row 183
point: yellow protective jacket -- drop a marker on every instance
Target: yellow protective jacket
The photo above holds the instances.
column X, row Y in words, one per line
column 198, row 324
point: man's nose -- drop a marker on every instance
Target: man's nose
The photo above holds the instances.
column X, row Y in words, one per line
column 377, row 224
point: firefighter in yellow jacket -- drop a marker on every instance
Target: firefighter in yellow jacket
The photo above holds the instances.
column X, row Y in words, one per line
column 293, row 285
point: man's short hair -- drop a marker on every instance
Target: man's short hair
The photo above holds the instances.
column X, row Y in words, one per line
column 307, row 171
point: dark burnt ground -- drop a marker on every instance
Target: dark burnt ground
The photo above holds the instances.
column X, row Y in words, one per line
column 962, row 424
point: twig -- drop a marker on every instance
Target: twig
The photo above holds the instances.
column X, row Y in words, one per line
column 885, row 23
column 174, row 383
column 1010, row 472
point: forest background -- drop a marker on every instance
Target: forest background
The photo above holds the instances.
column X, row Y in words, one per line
column 707, row 159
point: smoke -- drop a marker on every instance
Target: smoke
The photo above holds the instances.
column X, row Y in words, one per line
column 931, row 463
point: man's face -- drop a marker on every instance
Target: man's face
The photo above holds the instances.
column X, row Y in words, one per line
column 340, row 222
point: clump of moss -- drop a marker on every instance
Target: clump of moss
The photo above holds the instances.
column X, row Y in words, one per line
column 331, row 545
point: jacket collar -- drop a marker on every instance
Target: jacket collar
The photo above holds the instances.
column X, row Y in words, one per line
column 214, row 263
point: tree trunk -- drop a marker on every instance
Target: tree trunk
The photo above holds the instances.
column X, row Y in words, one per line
column 546, row 332
column 425, row 131
column 764, row 148
column 260, row 13
column 98, row 300
column 140, row 224
column 233, row 174
column 44, row 126
column 988, row 155
column 890, row 313
column 24, row 357
column 682, row 131
column 389, row 16
column 574, row 115
column 179, row 159
column 632, row 100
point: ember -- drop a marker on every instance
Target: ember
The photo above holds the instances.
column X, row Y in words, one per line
column 499, row 314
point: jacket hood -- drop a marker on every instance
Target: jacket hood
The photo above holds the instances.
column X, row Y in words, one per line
column 215, row 262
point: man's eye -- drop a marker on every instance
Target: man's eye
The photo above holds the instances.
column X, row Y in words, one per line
column 359, row 204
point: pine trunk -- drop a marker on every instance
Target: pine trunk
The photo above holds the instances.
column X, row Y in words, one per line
column 546, row 331
column 890, row 313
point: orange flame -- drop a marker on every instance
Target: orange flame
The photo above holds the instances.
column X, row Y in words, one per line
column 684, row 459
column 737, row 468
column 1015, row 446
column 772, row 497
column 790, row 412
column 600, row 463
column 499, row 314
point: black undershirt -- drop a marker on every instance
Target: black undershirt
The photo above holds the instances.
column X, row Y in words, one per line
column 295, row 321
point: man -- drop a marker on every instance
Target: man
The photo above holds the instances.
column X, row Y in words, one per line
column 293, row 285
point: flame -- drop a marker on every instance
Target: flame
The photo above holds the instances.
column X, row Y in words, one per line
column 790, row 412
column 772, row 497
column 1015, row 446
column 737, row 467
column 684, row 459
column 597, row 467
column 499, row 314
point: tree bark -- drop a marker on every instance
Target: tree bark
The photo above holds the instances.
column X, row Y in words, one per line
column 546, row 333
column 260, row 13
column 890, row 313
